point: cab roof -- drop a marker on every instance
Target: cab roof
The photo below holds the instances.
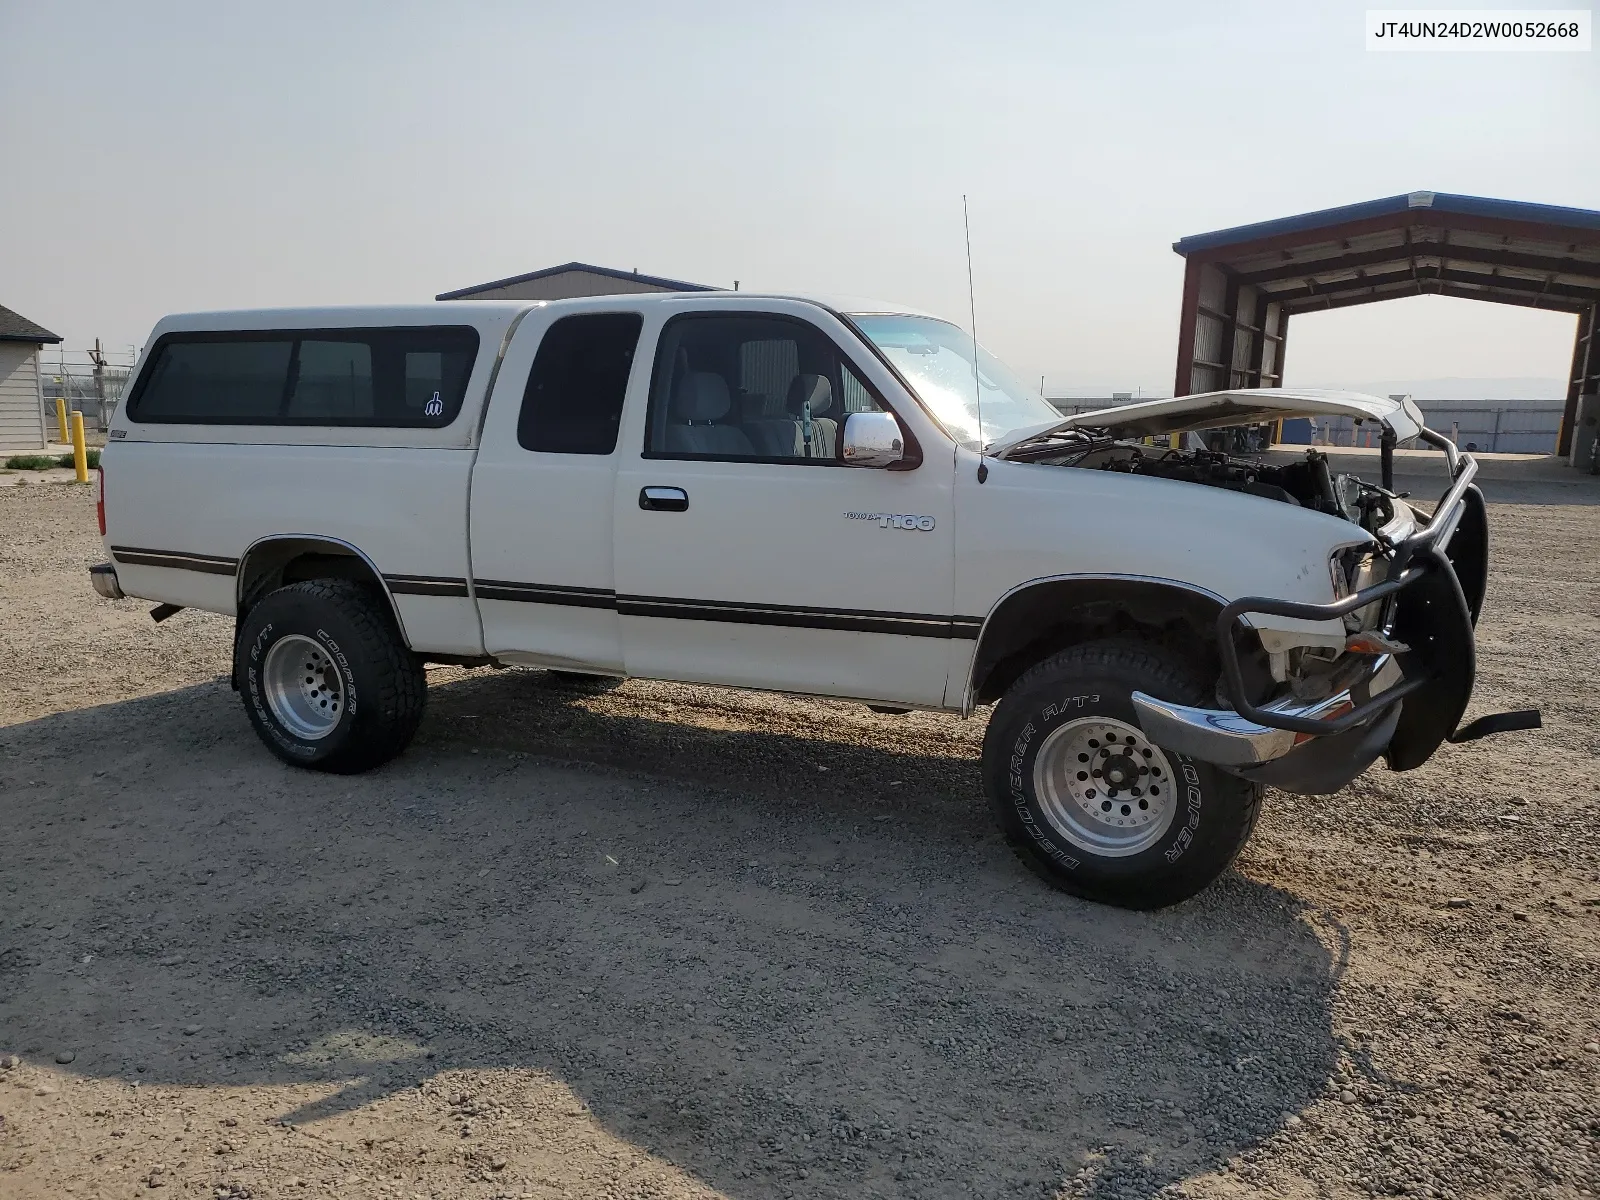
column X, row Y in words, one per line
column 486, row 313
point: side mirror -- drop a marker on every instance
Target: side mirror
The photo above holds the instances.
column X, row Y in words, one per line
column 872, row 439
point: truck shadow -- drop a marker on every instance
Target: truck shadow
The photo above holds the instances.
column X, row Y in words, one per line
column 765, row 970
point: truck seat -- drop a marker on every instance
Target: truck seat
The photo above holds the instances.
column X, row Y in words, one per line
column 699, row 400
column 768, row 426
column 776, row 428
column 813, row 395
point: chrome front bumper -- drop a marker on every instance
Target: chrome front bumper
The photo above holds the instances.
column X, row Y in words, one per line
column 1223, row 737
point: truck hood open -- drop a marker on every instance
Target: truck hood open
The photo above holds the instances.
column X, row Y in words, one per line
column 1215, row 410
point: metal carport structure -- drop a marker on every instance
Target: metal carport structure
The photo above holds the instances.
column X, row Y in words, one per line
column 1241, row 286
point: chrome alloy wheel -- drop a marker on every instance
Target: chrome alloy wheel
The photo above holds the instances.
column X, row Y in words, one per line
column 1105, row 787
column 302, row 687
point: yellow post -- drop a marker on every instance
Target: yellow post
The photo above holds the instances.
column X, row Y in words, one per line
column 1277, row 432
column 61, row 416
column 1175, row 441
column 80, row 453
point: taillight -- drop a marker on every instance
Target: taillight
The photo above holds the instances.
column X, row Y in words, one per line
column 100, row 498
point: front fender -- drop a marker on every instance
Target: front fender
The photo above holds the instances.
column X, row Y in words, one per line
column 1033, row 521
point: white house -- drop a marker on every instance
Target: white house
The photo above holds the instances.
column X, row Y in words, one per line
column 22, row 421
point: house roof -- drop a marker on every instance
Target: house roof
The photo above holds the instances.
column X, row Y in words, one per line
column 676, row 285
column 14, row 327
column 1422, row 243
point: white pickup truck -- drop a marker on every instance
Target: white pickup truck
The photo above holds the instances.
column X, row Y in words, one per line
column 801, row 496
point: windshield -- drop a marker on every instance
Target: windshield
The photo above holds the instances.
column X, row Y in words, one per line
column 936, row 359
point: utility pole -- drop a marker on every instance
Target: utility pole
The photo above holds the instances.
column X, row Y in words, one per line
column 98, row 357
column 64, row 392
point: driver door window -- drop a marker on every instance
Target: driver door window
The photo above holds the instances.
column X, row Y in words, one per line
column 751, row 388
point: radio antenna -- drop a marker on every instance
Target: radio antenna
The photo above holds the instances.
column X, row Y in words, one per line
column 972, row 304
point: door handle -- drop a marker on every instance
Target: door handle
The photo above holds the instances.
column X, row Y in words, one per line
column 663, row 499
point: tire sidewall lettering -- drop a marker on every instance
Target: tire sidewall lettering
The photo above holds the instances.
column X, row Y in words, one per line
column 1067, row 704
column 1193, row 800
column 1019, row 790
column 258, row 702
column 347, row 676
column 1021, row 801
column 263, row 641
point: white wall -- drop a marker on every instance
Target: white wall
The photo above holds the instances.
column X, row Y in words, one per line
column 19, row 397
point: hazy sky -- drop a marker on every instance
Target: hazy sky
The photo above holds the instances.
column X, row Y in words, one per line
column 165, row 157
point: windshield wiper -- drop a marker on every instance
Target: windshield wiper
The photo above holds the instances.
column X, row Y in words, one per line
column 1052, row 441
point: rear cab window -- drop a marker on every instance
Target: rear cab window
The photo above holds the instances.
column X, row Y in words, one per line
column 396, row 377
column 573, row 401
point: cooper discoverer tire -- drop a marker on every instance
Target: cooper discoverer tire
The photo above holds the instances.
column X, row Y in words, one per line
column 1091, row 805
column 326, row 681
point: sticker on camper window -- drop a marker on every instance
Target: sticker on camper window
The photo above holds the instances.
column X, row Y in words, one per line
column 434, row 407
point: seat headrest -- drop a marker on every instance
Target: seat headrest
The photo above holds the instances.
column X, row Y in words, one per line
column 700, row 396
column 814, row 388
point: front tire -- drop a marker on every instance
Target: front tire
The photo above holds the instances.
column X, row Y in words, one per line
column 1088, row 803
column 326, row 680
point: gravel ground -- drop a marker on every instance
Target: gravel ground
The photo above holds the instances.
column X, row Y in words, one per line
column 669, row 941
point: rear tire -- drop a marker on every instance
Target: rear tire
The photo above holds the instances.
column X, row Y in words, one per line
column 1093, row 807
column 326, row 680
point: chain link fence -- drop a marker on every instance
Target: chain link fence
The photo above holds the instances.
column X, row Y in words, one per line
column 90, row 380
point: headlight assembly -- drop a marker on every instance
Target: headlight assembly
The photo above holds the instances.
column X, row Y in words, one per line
column 1352, row 570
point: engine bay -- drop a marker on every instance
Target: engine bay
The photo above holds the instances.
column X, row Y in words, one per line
column 1307, row 482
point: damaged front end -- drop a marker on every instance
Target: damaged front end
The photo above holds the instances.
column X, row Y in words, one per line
column 1403, row 683
column 1311, row 694
column 1162, row 439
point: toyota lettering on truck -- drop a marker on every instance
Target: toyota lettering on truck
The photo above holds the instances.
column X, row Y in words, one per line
column 809, row 497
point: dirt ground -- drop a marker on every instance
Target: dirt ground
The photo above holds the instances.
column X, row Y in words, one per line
column 669, row 941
